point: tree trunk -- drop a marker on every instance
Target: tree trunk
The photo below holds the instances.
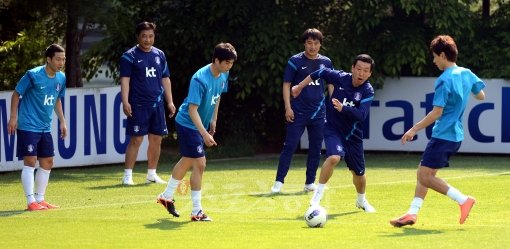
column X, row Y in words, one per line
column 73, row 72
column 486, row 9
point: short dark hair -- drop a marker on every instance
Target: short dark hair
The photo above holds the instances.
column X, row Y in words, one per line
column 224, row 51
column 145, row 26
column 52, row 49
column 313, row 33
column 364, row 58
column 446, row 44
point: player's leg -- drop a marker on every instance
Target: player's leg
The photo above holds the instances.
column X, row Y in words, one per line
column 136, row 128
column 293, row 135
column 45, row 153
column 27, row 150
column 315, row 137
column 130, row 158
column 197, row 213
column 334, row 152
column 157, row 129
column 355, row 160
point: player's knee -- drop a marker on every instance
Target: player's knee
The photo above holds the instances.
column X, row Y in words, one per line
column 334, row 159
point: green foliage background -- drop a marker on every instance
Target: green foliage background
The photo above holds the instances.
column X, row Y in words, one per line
column 265, row 33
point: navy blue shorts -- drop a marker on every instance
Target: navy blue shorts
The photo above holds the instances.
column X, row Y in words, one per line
column 351, row 152
column 191, row 143
column 145, row 120
column 38, row 144
column 438, row 153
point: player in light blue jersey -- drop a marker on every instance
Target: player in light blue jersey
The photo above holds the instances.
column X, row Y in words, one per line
column 348, row 105
column 37, row 94
column 196, row 124
column 452, row 91
column 306, row 111
column 145, row 86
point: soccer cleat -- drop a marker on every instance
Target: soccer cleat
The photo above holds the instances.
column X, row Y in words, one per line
column 128, row 180
column 365, row 206
column 466, row 208
column 310, row 187
column 169, row 205
column 154, row 179
column 277, row 187
column 404, row 220
column 48, row 205
column 200, row 216
column 34, row 206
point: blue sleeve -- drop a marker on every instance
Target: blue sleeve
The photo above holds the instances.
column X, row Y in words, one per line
column 360, row 113
column 62, row 92
column 290, row 71
column 323, row 73
column 166, row 70
column 196, row 91
column 478, row 84
column 225, row 87
column 23, row 84
column 126, row 65
column 441, row 93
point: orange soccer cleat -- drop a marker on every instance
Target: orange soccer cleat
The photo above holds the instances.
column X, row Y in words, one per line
column 466, row 208
column 404, row 220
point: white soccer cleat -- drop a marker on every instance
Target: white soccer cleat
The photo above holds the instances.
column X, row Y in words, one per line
column 154, row 179
column 128, row 180
column 365, row 206
column 277, row 187
column 310, row 187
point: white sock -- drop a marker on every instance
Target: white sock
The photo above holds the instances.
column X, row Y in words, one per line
column 27, row 180
column 456, row 195
column 317, row 195
column 361, row 198
column 42, row 178
column 128, row 172
column 415, row 205
column 151, row 172
column 196, row 198
column 170, row 188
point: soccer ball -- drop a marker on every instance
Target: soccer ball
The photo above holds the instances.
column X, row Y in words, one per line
column 316, row 216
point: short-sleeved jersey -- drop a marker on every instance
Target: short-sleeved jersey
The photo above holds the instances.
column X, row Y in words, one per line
column 356, row 103
column 205, row 91
column 39, row 94
column 311, row 100
column 452, row 92
column 145, row 71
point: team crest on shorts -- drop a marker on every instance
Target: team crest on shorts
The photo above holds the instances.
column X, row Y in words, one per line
column 339, row 148
column 136, row 128
column 200, row 149
column 30, row 148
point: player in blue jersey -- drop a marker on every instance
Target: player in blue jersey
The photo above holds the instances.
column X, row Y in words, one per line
column 306, row 111
column 348, row 105
column 145, row 87
column 37, row 94
column 196, row 124
column 451, row 94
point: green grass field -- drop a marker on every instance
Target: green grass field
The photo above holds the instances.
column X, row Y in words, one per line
column 97, row 212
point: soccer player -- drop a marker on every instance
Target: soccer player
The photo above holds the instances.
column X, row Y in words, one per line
column 196, row 124
column 306, row 111
column 37, row 94
column 452, row 90
column 350, row 96
column 145, row 81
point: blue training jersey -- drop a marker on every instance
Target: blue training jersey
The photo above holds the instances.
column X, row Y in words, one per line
column 311, row 100
column 39, row 94
column 145, row 71
column 204, row 91
column 452, row 91
column 356, row 103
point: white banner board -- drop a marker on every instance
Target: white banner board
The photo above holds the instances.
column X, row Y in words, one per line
column 95, row 127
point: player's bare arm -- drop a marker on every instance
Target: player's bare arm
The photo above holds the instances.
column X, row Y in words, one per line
column 296, row 90
column 167, row 86
column 289, row 113
column 197, row 121
column 212, row 124
column 61, row 118
column 431, row 117
column 13, row 120
column 480, row 95
column 337, row 104
column 124, row 91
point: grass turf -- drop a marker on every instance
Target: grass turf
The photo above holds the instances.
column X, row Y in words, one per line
column 97, row 212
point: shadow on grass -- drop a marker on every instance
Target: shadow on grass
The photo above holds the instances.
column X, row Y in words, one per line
column 9, row 213
column 165, row 224
column 120, row 185
column 278, row 194
column 411, row 231
column 330, row 216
